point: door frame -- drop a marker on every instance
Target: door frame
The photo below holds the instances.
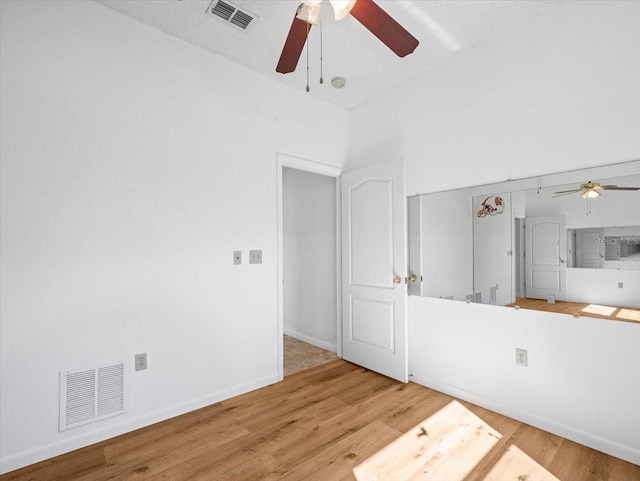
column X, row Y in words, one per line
column 297, row 163
column 518, row 257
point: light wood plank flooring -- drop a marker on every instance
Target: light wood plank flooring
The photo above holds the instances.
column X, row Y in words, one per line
column 320, row 424
column 627, row 314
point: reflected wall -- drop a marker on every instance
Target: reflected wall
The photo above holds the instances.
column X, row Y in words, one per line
column 473, row 242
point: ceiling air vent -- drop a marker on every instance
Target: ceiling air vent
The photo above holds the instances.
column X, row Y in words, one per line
column 231, row 14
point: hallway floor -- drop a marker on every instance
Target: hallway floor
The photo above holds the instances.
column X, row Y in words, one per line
column 299, row 355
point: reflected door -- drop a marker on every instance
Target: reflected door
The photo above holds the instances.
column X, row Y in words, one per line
column 590, row 248
column 545, row 256
column 374, row 324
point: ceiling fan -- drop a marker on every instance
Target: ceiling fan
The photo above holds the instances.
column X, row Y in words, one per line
column 367, row 12
column 591, row 190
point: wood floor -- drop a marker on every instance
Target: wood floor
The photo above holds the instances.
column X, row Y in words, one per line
column 627, row 314
column 320, row 424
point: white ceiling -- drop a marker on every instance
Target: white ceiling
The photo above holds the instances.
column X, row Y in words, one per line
column 443, row 27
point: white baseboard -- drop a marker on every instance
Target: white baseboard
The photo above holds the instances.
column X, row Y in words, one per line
column 327, row 346
column 596, row 442
column 41, row 453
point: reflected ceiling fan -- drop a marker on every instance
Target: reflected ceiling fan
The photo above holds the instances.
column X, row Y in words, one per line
column 367, row 12
column 591, row 190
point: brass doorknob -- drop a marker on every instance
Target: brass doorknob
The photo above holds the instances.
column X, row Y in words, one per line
column 397, row 280
column 412, row 278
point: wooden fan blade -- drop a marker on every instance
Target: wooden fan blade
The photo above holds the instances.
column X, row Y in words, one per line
column 615, row 187
column 380, row 23
column 293, row 46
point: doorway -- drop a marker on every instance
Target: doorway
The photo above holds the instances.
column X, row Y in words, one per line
column 308, row 267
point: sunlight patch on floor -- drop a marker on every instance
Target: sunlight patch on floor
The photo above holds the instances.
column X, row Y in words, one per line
column 629, row 315
column 445, row 446
column 514, row 464
column 602, row 310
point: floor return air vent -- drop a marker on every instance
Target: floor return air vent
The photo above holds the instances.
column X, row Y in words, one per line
column 90, row 395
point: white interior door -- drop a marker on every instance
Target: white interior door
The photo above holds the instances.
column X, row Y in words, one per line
column 545, row 255
column 590, row 248
column 374, row 324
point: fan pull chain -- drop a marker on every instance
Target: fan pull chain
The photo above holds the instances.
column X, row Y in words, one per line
column 308, row 27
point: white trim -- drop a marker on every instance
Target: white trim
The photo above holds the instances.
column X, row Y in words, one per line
column 297, row 163
column 601, row 444
column 327, row 346
column 339, row 266
column 282, row 161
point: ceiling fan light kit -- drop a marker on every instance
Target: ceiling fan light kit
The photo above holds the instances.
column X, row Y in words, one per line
column 311, row 14
column 341, row 8
column 592, row 190
column 312, row 9
column 367, row 12
column 590, row 194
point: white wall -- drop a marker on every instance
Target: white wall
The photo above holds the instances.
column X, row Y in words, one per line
column 600, row 286
column 582, row 376
column 133, row 165
column 492, row 241
column 447, row 244
column 309, row 231
column 559, row 92
column 556, row 93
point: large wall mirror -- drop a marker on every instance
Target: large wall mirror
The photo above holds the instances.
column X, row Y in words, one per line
column 540, row 242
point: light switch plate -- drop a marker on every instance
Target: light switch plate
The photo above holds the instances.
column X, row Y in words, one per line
column 237, row 257
column 255, row 257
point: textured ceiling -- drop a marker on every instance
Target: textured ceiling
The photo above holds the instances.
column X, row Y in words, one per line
column 443, row 27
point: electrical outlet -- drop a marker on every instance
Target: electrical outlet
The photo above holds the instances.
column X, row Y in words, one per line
column 521, row 357
column 237, row 257
column 255, row 257
column 141, row 361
